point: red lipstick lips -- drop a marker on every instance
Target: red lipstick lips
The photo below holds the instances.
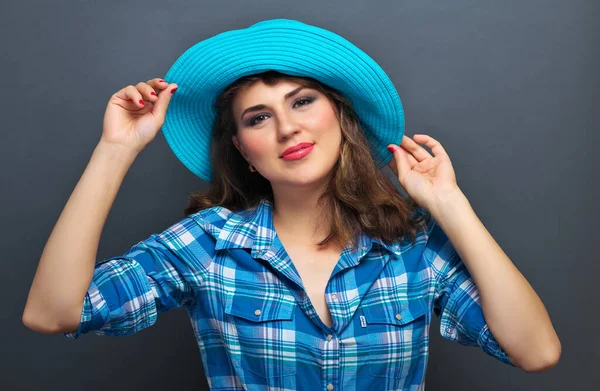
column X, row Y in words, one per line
column 297, row 151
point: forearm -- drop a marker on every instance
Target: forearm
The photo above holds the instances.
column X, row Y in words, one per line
column 515, row 314
column 66, row 267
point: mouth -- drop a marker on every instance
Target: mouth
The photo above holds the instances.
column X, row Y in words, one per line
column 298, row 153
column 296, row 148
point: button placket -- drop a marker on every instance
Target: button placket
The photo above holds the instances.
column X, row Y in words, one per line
column 331, row 355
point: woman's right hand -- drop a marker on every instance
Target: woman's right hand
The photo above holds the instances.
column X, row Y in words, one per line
column 134, row 115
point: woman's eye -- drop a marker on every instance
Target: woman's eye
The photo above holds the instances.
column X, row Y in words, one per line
column 254, row 121
column 307, row 100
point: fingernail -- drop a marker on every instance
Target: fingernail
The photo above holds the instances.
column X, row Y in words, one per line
column 153, row 93
column 162, row 81
column 141, row 102
column 391, row 149
column 173, row 90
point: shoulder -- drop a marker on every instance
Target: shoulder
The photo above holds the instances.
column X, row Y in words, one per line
column 193, row 236
column 424, row 224
column 428, row 236
column 438, row 250
column 212, row 220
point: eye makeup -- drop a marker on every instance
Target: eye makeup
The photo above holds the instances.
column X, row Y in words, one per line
column 252, row 121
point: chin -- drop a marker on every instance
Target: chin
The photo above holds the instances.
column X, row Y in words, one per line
column 302, row 177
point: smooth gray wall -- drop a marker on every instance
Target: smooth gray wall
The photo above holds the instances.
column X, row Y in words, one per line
column 510, row 89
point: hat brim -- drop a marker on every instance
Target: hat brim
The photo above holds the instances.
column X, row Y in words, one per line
column 290, row 47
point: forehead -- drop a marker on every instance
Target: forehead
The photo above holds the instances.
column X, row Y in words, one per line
column 251, row 94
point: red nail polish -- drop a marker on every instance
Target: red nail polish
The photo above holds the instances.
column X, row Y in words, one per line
column 141, row 102
column 153, row 93
column 391, row 149
column 173, row 90
column 162, row 81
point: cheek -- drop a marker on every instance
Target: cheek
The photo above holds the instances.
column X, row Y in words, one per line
column 255, row 145
column 324, row 119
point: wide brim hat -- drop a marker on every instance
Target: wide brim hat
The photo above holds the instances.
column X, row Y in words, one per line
column 288, row 46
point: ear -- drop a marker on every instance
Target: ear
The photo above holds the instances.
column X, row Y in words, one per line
column 237, row 145
column 235, row 142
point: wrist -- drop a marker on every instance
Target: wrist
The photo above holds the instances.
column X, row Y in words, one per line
column 448, row 204
column 116, row 151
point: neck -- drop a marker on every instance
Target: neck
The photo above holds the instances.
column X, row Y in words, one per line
column 296, row 214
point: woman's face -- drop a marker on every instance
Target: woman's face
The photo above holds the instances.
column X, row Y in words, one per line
column 264, row 133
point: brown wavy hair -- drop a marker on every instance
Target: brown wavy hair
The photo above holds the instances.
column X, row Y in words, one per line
column 360, row 196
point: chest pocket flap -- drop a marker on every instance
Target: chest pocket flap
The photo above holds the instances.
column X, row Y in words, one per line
column 259, row 306
column 398, row 312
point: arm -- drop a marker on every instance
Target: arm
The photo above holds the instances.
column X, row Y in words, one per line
column 527, row 334
column 128, row 292
column 67, row 264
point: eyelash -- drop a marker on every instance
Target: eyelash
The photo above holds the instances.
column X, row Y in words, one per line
column 308, row 100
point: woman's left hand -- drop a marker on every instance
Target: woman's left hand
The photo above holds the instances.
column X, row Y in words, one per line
column 426, row 179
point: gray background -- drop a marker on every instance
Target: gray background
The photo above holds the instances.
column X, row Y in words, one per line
column 510, row 89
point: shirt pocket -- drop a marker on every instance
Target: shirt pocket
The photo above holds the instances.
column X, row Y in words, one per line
column 397, row 335
column 263, row 332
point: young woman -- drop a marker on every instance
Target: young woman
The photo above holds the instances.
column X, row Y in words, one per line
column 302, row 267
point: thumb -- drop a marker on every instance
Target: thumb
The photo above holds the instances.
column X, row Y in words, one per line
column 400, row 160
column 160, row 106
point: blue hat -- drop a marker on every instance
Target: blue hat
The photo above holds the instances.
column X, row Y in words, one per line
column 288, row 46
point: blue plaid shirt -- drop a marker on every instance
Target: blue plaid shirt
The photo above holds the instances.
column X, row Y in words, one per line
column 255, row 325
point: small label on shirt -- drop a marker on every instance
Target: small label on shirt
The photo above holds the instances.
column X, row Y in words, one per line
column 363, row 322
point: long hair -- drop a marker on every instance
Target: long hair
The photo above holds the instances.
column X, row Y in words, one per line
column 359, row 195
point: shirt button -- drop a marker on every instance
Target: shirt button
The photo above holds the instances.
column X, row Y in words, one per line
column 334, row 297
column 329, row 337
column 398, row 316
column 329, row 387
column 257, row 312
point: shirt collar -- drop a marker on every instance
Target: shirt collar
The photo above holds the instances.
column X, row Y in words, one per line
column 253, row 229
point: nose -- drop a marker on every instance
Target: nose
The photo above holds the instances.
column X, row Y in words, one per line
column 286, row 126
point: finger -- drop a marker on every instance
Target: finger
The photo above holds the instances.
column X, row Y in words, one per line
column 147, row 91
column 415, row 149
column 432, row 143
column 131, row 95
column 411, row 160
column 160, row 106
column 393, row 165
column 410, row 157
column 403, row 165
column 158, row 84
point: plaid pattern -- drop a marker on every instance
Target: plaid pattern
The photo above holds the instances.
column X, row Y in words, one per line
column 255, row 325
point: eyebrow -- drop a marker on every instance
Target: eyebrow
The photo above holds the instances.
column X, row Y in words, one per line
column 261, row 106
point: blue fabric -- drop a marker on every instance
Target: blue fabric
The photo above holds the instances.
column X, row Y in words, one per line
column 254, row 323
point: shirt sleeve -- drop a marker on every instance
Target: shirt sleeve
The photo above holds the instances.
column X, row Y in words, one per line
column 162, row 272
column 456, row 300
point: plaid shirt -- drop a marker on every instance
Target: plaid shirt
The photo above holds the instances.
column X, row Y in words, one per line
column 253, row 320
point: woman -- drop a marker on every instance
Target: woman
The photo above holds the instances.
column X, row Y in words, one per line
column 302, row 265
